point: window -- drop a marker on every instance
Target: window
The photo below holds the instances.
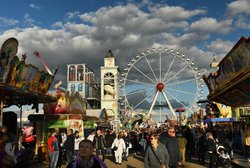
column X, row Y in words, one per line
column 109, row 79
column 109, row 83
column 71, row 73
column 80, row 87
column 79, row 73
column 72, row 88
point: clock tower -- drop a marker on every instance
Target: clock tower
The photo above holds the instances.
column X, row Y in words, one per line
column 110, row 88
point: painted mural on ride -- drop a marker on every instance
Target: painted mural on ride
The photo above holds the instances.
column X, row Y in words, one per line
column 16, row 74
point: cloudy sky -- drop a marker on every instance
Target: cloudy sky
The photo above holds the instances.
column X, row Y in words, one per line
column 66, row 32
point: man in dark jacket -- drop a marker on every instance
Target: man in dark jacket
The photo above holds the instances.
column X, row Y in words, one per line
column 211, row 150
column 99, row 144
column 172, row 145
column 109, row 138
column 69, row 145
column 59, row 138
column 126, row 139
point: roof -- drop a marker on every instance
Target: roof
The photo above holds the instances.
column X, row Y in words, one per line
column 230, row 85
column 18, row 96
column 219, row 120
column 109, row 54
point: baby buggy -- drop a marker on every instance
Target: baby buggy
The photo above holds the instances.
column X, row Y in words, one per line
column 223, row 156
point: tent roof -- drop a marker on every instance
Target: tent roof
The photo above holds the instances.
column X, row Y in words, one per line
column 219, row 120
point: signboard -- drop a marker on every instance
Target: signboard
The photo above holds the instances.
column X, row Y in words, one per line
column 88, row 124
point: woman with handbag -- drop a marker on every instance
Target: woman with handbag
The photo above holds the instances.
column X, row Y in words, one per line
column 119, row 147
column 157, row 154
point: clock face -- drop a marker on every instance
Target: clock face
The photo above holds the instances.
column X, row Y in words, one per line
column 110, row 61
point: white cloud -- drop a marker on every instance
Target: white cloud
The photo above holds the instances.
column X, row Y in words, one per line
column 5, row 22
column 131, row 39
column 175, row 13
column 28, row 21
column 220, row 46
column 33, row 6
column 208, row 25
column 57, row 25
column 243, row 23
column 239, row 7
column 72, row 15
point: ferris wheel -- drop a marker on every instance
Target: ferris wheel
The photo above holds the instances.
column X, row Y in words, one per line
column 161, row 80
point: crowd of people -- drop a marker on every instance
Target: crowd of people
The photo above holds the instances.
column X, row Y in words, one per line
column 164, row 146
column 14, row 152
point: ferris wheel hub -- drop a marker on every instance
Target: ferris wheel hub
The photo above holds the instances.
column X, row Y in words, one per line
column 160, row 86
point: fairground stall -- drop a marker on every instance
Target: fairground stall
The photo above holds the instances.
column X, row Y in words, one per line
column 22, row 84
column 229, row 85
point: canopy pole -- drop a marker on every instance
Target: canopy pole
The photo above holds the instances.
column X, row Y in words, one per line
column 21, row 117
column 1, row 112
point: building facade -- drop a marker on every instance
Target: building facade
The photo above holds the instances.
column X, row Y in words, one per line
column 110, row 75
column 81, row 79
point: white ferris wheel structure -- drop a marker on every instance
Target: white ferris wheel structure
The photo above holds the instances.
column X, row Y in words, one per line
column 161, row 80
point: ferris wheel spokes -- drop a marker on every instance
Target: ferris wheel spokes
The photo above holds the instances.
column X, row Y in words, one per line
column 184, row 81
column 181, row 91
column 169, row 104
column 175, row 74
column 139, row 91
column 144, row 74
column 144, row 99
column 168, row 74
column 165, row 76
column 160, row 65
column 135, row 81
column 151, row 69
column 180, row 102
column 153, row 103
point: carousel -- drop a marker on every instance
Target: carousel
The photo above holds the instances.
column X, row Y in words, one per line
column 22, row 84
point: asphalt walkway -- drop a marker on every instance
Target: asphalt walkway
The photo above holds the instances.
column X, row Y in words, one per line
column 240, row 161
column 136, row 161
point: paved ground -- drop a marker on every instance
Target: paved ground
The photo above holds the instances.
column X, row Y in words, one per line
column 240, row 161
column 134, row 161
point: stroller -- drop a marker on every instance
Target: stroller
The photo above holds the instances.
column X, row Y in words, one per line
column 223, row 155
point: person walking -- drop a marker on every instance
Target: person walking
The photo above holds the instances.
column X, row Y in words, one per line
column 109, row 138
column 53, row 150
column 247, row 142
column 172, row 145
column 126, row 139
column 59, row 140
column 91, row 135
column 157, row 155
column 69, row 145
column 85, row 157
column 202, row 147
column 182, row 144
column 211, row 150
column 119, row 147
column 78, row 139
column 190, row 147
column 99, row 144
